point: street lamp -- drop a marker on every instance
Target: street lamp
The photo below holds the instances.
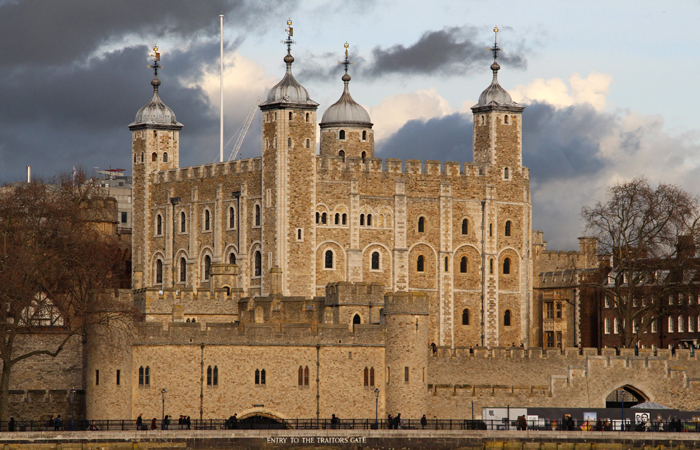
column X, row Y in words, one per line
column 162, row 393
column 376, row 408
column 72, row 419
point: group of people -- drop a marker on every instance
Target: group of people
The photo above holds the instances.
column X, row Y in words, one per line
column 232, row 422
column 184, row 423
column 396, row 422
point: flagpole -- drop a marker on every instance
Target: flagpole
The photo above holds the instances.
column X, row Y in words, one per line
column 221, row 91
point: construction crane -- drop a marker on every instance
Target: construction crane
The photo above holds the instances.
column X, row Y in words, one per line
column 244, row 130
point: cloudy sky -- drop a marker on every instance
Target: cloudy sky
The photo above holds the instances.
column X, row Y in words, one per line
column 610, row 87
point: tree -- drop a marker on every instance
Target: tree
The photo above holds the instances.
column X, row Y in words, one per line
column 56, row 252
column 648, row 236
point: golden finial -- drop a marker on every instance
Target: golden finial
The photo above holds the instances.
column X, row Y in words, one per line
column 495, row 49
column 346, row 62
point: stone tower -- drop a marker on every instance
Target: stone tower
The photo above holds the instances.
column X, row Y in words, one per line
column 406, row 317
column 155, row 145
column 346, row 129
column 288, row 186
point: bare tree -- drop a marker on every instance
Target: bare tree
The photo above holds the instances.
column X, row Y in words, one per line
column 56, row 251
column 647, row 234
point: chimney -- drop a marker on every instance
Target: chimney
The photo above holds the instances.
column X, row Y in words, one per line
column 29, row 174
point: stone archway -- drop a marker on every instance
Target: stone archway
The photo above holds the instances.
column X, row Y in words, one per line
column 256, row 420
column 625, row 395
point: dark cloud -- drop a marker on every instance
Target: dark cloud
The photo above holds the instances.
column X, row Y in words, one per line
column 450, row 51
column 37, row 32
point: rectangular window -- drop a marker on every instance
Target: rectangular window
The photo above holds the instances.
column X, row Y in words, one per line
column 634, row 301
column 558, row 310
column 681, row 324
column 405, row 374
column 559, row 339
column 119, row 372
column 124, row 217
column 607, row 325
column 607, row 301
column 97, row 378
column 653, row 327
column 550, row 310
column 616, row 326
column 691, row 324
column 671, row 324
column 549, row 337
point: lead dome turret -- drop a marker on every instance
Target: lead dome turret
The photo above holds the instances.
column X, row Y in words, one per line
column 346, row 111
column 155, row 112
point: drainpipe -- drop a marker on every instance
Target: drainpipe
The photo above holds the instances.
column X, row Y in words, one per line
column 483, row 267
column 318, row 395
column 201, row 386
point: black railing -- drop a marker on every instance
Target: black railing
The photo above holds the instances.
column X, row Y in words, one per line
column 357, row 424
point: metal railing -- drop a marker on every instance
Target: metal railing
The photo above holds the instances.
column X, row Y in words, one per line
column 357, row 424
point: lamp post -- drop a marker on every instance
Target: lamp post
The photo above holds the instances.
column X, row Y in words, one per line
column 622, row 411
column 162, row 393
column 72, row 419
column 376, row 408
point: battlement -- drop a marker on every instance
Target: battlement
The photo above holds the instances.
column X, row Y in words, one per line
column 186, row 300
column 344, row 293
column 409, row 303
column 299, row 334
column 209, row 170
column 407, row 167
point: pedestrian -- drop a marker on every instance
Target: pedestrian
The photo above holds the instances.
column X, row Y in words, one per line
column 399, row 421
column 599, row 425
column 57, row 423
column 423, row 421
column 522, row 423
column 52, row 423
column 188, row 422
column 93, row 427
column 181, row 421
column 153, row 424
column 390, row 421
column 11, row 424
column 334, row 422
column 139, row 422
column 234, row 421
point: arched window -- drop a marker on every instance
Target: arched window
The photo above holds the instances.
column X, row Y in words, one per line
column 290, row 115
column 154, row 157
column 465, row 226
column 506, row 318
column 420, row 265
column 491, row 266
column 262, row 376
column 324, row 218
column 371, row 376
column 375, row 260
column 300, row 376
column 508, row 228
column 490, row 229
column 207, row 266
column 364, row 135
column 483, row 120
column 142, row 157
column 308, row 143
column 681, row 324
column 207, row 220
column 362, row 219
column 366, row 376
column 607, row 325
column 342, row 154
column 337, row 218
column 159, row 225
column 134, row 158
column 506, row 266
column 341, row 134
column 183, row 270
column 232, row 258
column 447, row 263
column 307, row 117
column 289, row 142
column 165, row 157
column 345, row 219
column 421, row 224
column 505, row 119
column 257, row 376
column 159, row 271
column 147, row 376
column 258, row 264
column 183, row 222
column 465, row 317
column 318, row 217
column 356, row 320
column 364, row 155
column 505, row 173
column 369, row 220
column 141, row 375
column 231, row 217
column 306, row 376
column 328, row 259
column 671, row 324
column 257, row 215
column 463, row 265
column 215, row 376
column 209, row 376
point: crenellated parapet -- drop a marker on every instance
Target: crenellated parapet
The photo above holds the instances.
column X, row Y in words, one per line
column 344, row 293
column 208, row 170
column 406, row 303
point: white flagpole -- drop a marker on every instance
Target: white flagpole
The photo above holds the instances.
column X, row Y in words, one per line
column 221, row 91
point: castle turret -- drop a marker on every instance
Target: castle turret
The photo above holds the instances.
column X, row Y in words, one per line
column 155, row 146
column 288, row 185
column 346, row 129
column 407, row 350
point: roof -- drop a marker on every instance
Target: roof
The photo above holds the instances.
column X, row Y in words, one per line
column 155, row 112
column 288, row 90
column 346, row 111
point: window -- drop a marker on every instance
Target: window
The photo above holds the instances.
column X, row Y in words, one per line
column 654, row 326
column 207, row 220
column 421, row 224
column 159, row 271
column 506, row 266
column 671, row 323
column 207, row 266
column 257, row 376
column 375, row 260
column 607, row 325
column 420, row 265
column 342, row 155
column 635, row 327
column 465, row 317
column 341, row 134
column 300, row 234
column 356, row 320
column 506, row 318
column 681, row 324
column 447, row 263
column 231, row 217
column 371, row 376
column 142, row 157
column 550, row 338
column 258, row 263
column 318, row 217
column 300, row 376
column 183, row 270
column 505, row 173
column 345, row 219
column 262, row 376
column 135, row 159
column 306, row 376
column 257, row 216
column 215, row 376
column 290, row 115
column 324, row 218
column 505, row 119
column 362, row 219
column 147, row 376
column 508, row 228
column 405, row 374
column 124, row 217
column 183, row 222
column 97, row 377
column 691, row 324
column 337, row 218
column 364, row 135
column 289, row 142
column 490, row 229
column 165, row 157
column 549, row 309
column 307, row 117
column 159, row 225
column 328, row 259
column 232, row 258
column 463, row 265
column 209, row 374
column 558, row 310
column 369, row 220
column 607, row 301
column 491, row 266
column 559, row 339
column 364, row 155
column 119, row 377
column 465, row 226
column 616, row 326
column 308, row 143
column 141, row 376
column 366, row 376
column 154, row 157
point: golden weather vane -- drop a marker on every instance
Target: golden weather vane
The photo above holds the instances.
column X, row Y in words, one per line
column 346, row 62
column 156, row 59
column 290, row 33
column 495, row 49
